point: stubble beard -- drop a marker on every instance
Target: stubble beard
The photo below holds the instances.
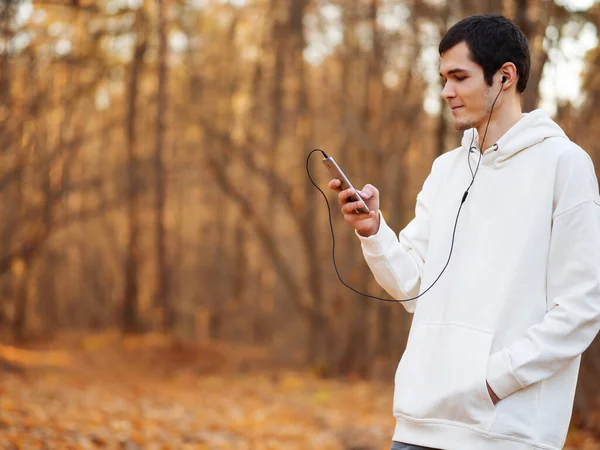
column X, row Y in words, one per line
column 464, row 124
column 473, row 122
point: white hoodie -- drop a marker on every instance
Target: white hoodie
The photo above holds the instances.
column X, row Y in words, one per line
column 518, row 303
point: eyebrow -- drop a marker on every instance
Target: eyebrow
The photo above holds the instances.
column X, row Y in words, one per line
column 453, row 71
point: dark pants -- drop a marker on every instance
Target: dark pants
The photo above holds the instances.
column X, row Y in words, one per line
column 402, row 446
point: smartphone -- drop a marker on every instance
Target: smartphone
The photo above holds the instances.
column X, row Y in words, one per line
column 336, row 172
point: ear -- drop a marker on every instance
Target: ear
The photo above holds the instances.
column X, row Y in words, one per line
column 508, row 76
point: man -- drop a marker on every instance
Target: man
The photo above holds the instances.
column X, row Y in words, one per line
column 494, row 348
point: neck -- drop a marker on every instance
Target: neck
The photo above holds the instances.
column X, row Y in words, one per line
column 504, row 116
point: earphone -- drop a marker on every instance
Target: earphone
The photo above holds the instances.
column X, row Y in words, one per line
column 464, row 198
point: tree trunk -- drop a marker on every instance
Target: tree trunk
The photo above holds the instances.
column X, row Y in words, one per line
column 221, row 296
column 162, row 268
column 130, row 319
column 535, row 31
column 7, row 13
column 304, row 130
column 21, row 301
column 216, row 313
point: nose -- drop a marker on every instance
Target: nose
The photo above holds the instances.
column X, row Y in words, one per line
column 448, row 91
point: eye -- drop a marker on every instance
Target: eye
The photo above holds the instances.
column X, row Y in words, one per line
column 461, row 78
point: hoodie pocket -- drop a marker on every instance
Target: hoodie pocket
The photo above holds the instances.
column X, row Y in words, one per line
column 442, row 375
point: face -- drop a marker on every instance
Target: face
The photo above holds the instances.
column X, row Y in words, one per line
column 465, row 90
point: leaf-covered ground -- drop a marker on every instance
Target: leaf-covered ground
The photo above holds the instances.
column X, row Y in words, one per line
column 156, row 394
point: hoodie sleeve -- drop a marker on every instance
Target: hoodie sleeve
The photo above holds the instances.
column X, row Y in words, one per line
column 573, row 285
column 397, row 261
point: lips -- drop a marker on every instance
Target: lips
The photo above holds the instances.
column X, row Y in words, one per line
column 454, row 108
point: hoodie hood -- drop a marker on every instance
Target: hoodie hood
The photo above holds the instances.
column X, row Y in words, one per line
column 533, row 128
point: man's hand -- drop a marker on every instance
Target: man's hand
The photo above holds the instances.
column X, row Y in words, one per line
column 493, row 395
column 367, row 224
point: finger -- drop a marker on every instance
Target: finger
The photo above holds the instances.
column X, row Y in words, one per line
column 346, row 194
column 335, row 184
column 343, row 195
column 366, row 215
column 363, row 216
column 353, row 204
column 367, row 191
column 352, row 207
column 354, row 217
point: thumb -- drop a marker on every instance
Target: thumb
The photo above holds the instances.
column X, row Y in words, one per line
column 366, row 192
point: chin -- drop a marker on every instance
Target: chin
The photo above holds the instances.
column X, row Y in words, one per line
column 464, row 124
column 461, row 125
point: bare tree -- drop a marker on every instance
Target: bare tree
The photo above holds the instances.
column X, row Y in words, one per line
column 132, row 262
column 162, row 267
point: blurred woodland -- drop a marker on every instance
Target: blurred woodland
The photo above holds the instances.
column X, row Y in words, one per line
column 153, row 180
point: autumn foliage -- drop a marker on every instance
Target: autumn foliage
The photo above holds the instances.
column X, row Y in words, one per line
column 153, row 392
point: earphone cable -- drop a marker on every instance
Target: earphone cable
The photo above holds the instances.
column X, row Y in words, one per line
column 464, row 197
column 483, row 140
column 333, row 241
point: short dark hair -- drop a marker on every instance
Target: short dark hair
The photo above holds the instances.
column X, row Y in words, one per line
column 492, row 40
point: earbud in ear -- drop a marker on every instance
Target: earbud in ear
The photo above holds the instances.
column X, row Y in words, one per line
column 503, row 80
